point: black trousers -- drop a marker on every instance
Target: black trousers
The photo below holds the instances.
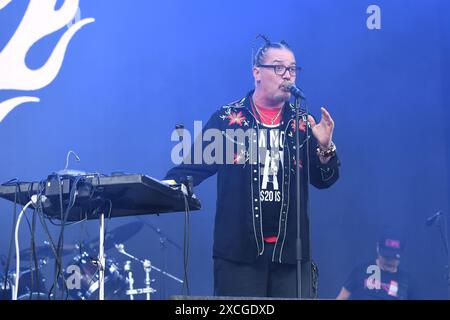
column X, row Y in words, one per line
column 262, row 278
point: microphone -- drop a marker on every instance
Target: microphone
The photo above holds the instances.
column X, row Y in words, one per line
column 296, row 92
column 431, row 220
column 77, row 158
column 70, row 172
column 120, row 247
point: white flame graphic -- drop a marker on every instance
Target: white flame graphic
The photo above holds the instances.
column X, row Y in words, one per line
column 40, row 19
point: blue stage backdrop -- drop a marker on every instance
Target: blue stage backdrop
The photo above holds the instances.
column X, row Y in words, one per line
column 111, row 79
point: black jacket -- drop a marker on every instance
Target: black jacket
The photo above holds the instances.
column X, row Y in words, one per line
column 238, row 223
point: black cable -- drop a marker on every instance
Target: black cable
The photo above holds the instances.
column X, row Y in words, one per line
column 56, row 251
column 30, row 228
column 71, row 203
column 91, row 195
column 33, row 257
column 52, row 245
column 186, row 245
column 16, row 194
column 33, row 250
column 64, row 216
column 63, row 224
column 42, row 219
column 109, row 211
column 8, row 259
column 60, row 239
column 57, row 256
column 40, row 212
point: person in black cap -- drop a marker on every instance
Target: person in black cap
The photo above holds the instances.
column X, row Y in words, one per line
column 381, row 279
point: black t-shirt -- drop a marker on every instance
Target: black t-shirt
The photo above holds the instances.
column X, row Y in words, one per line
column 270, row 143
column 369, row 282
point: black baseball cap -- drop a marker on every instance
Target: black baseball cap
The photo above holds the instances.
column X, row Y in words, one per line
column 390, row 246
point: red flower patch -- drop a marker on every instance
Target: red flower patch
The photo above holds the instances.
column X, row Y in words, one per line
column 237, row 118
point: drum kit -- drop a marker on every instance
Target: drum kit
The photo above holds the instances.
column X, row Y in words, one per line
column 28, row 288
column 81, row 275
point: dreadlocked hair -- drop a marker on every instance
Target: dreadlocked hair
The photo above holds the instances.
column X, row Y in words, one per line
column 258, row 58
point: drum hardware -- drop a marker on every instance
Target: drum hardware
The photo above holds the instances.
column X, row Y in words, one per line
column 98, row 195
column 30, row 286
column 89, row 281
column 148, row 267
column 130, row 279
column 45, row 251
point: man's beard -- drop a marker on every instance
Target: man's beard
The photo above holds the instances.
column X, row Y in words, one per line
column 284, row 87
column 284, row 97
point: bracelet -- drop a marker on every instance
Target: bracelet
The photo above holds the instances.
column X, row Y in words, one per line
column 330, row 152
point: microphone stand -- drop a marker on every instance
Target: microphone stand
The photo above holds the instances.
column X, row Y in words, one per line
column 148, row 266
column 298, row 242
column 303, row 287
column 163, row 237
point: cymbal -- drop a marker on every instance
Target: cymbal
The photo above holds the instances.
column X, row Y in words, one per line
column 46, row 251
column 117, row 235
column 120, row 234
